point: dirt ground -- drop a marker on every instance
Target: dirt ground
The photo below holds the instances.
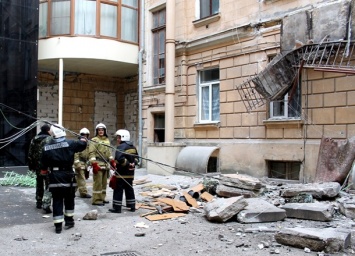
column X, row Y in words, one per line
column 27, row 230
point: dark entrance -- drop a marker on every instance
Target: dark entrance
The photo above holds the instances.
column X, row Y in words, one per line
column 18, row 77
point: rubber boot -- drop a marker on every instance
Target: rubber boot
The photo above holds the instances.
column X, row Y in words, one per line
column 69, row 222
column 132, row 207
column 58, row 228
column 115, row 210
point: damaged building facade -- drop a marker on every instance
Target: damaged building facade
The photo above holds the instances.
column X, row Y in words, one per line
column 247, row 86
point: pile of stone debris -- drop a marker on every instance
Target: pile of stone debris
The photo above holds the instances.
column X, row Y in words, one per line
column 245, row 199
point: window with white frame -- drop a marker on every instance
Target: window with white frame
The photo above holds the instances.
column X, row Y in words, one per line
column 287, row 108
column 209, row 105
column 208, row 8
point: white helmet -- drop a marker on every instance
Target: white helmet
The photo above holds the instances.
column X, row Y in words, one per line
column 84, row 131
column 100, row 125
column 57, row 131
column 125, row 136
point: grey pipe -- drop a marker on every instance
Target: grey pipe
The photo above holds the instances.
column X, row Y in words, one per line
column 140, row 74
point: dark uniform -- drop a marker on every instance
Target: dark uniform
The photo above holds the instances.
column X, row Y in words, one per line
column 34, row 163
column 126, row 154
column 58, row 157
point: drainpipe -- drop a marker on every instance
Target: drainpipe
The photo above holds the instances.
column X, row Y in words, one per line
column 140, row 77
column 170, row 71
column 60, row 93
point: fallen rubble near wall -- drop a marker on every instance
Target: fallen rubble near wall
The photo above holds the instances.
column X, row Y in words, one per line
column 255, row 201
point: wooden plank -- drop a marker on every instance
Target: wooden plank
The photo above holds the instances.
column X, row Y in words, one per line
column 198, row 188
column 190, row 200
column 147, row 207
column 179, row 206
column 206, row 196
column 164, row 216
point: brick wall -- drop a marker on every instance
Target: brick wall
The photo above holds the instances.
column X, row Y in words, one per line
column 88, row 100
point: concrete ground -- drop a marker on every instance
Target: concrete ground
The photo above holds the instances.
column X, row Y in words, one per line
column 27, row 230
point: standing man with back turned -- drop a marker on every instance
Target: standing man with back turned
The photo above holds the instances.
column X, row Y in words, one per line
column 34, row 163
column 58, row 159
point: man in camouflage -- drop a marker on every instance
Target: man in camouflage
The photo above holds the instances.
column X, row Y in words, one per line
column 81, row 160
column 43, row 199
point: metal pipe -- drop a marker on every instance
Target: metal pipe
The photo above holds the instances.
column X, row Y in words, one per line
column 170, row 71
column 60, row 93
column 140, row 76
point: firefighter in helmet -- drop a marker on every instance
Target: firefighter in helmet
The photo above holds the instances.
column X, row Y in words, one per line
column 81, row 161
column 127, row 159
column 100, row 158
column 57, row 160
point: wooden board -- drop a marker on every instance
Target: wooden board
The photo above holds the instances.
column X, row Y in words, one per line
column 164, row 216
column 179, row 206
column 198, row 188
column 206, row 196
column 192, row 201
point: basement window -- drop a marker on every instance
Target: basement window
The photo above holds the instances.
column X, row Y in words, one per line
column 288, row 170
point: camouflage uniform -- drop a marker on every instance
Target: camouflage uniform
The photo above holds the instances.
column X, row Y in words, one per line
column 81, row 161
column 34, row 164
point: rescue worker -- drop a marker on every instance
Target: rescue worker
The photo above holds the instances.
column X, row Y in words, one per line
column 34, row 164
column 100, row 157
column 127, row 158
column 81, row 161
column 58, row 159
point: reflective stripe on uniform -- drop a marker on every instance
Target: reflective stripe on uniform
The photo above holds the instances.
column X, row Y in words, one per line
column 69, row 213
column 58, row 219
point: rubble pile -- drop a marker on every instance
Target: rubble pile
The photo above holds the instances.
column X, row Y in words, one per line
column 245, row 199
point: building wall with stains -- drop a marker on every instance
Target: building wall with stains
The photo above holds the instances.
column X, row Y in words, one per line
column 240, row 41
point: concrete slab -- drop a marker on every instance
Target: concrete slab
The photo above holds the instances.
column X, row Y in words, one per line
column 317, row 190
column 309, row 211
column 347, row 206
column 330, row 240
column 259, row 210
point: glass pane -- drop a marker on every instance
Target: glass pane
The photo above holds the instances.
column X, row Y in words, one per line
column 205, row 104
column 85, row 17
column 60, row 22
column 209, row 75
column 129, row 21
column 204, row 8
column 215, row 102
column 159, row 121
column 278, row 108
column 43, row 14
column 108, row 26
column 133, row 3
column 162, row 15
column 215, row 6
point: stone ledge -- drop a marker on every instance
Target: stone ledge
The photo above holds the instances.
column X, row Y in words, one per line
column 206, row 21
column 207, row 126
column 283, row 123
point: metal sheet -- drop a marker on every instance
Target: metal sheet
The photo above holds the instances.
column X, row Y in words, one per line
column 194, row 158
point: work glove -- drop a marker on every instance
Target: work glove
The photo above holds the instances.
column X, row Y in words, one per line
column 44, row 172
column 95, row 167
column 113, row 164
